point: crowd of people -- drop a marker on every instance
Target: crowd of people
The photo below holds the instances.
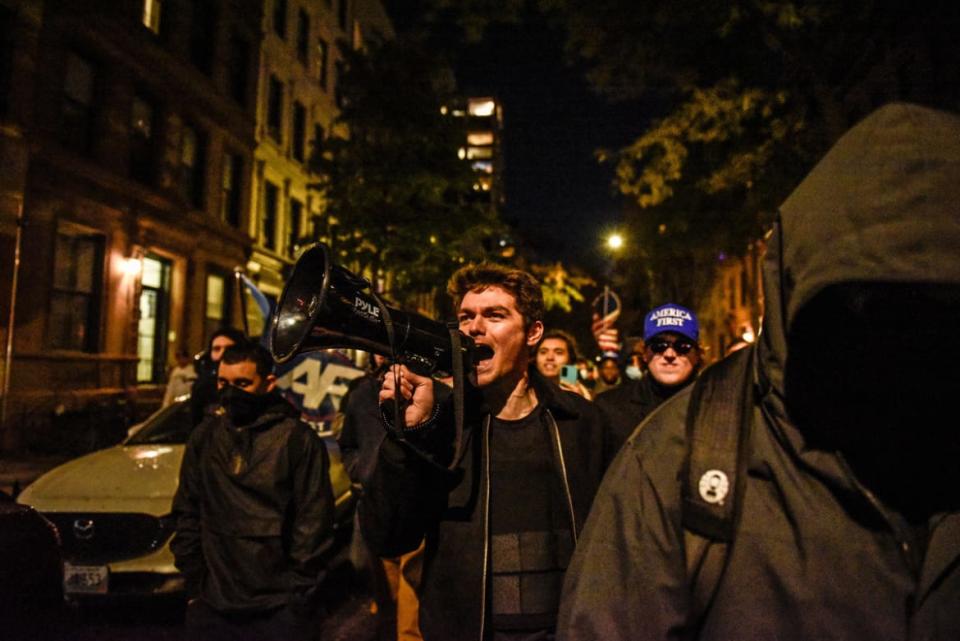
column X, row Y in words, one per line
column 805, row 487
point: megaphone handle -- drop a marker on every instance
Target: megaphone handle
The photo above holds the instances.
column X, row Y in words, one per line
column 457, row 360
column 399, row 410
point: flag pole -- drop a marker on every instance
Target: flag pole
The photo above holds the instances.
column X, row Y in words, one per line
column 7, row 362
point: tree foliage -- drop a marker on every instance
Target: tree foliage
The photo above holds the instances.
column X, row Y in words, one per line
column 561, row 288
column 399, row 199
column 751, row 93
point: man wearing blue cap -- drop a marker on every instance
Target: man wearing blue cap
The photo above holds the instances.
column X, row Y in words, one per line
column 672, row 355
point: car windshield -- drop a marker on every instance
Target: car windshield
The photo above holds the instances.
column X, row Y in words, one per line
column 171, row 425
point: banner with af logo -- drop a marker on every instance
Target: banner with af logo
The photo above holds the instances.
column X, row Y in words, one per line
column 316, row 383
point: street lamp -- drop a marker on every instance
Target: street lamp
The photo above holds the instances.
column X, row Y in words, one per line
column 614, row 241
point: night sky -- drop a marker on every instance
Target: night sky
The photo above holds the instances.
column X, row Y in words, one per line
column 558, row 194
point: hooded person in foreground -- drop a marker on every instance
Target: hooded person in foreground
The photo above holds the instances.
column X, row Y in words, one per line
column 848, row 521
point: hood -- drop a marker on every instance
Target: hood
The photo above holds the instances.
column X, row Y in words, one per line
column 856, row 396
column 135, row 478
column 881, row 206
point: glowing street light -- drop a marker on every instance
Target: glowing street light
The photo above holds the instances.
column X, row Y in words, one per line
column 614, row 241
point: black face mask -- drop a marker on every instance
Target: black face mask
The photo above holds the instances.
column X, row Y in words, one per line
column 872, row 373
column 242, row 407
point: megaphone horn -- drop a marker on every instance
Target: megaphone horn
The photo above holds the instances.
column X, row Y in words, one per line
column 325, row 306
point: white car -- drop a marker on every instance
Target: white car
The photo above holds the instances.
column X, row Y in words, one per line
column 112, row 508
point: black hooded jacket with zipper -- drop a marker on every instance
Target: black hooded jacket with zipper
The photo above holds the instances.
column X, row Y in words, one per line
column 254, row 512
column 412, row 495
column 815, row 554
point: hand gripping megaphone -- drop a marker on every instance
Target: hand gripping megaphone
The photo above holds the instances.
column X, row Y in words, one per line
column 324, row 306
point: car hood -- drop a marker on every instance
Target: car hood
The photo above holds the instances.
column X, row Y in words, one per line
column 132, row 478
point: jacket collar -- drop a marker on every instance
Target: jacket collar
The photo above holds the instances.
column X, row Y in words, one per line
column 552, row 397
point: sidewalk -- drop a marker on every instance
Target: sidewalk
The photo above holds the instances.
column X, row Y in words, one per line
column 24, row 469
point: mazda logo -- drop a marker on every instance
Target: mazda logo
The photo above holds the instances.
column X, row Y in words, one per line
column 83, row 529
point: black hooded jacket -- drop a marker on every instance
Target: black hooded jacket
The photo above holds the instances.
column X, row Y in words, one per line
column 820, row 552
column 254, row 512
column 411, row 495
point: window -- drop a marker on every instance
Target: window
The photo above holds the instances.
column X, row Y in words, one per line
column 151, row 15
column 154, row 320
column 275, row 109
column 280, row 17
column 303, row 36
column 75, row 299
column 217, row 313
column 296, row 226
column 479, row 153
column 316, row 148
column 238, row 68
column 323, row 52
column 481, row 107
column 142, row 115
column 77, row 115
column 190, row 178
column 299, row 130
column 230, row 189
column 203, row 25
column 271, row 202
column 338, row 96
column 343, row 13
column 480, row 138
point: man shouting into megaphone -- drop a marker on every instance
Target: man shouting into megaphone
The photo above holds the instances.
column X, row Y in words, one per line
column 500, row 522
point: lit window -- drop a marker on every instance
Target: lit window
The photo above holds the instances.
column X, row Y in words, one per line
column 479, row 153
column 151, row 15
column 215, row 297
column 481, row 107
column 484, row 166
column 480, row 138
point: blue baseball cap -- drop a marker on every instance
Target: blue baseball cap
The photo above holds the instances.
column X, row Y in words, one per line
column 671, row 318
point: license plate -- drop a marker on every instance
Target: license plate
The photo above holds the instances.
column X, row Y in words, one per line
column 85, row 579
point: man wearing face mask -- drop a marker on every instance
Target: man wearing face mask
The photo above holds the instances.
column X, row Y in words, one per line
column 671, row 352
column 203, row 394
column 254, row 510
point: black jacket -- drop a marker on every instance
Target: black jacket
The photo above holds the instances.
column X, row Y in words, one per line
column 254, row 512
column 412, row 495
column 817, row 553
column 362, row 430
column 630, row 402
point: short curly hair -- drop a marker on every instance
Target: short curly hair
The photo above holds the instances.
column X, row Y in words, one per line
column 523, row 286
